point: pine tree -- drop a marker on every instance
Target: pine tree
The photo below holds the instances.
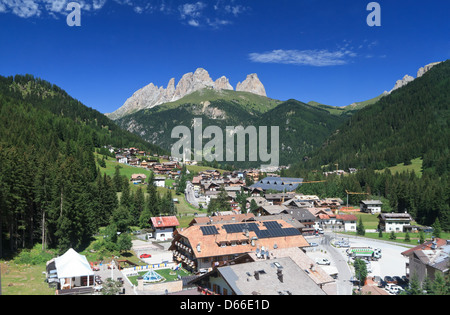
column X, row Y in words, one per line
column 118, row 181
column 360, row 230
column 152, row 201
column 138, row 205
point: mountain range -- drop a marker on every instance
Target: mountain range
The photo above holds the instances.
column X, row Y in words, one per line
column 410, row 122
column 153, row 112
column 152, row 95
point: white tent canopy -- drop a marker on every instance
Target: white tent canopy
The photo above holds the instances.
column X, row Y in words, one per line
column 72, row 264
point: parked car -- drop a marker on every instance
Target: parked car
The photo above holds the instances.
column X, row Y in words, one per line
column 395, row 289
column 313, row 244
column 389, row 279
column 405, row 280
column 398, row 280
column 323, row 261
column 342, row 244
column 145, row 256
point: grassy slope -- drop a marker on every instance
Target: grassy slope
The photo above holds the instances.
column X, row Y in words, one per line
column 183, row 207
column 416, row 166
column 249, row 101
column 346, row 110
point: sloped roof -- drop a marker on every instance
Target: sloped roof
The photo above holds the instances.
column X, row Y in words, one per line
column 210, row 244
column 161, row 222
column 72, row 264
column 222, row 219
column 295, row 281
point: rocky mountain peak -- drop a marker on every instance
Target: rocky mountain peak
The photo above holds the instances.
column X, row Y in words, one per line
column 152, row 95
column 407, row 78
column 252, row 84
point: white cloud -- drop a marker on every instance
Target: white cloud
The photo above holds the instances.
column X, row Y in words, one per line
column 21, row 8
column 191, row 10
column 317, row 58
column 193, row 13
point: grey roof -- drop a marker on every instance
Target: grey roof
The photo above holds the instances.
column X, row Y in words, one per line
column 371, row 202
column 273, row 209
column 241, row 278
column 302, row 214
column 278, row 183
column 282, row 216
column 395, row 216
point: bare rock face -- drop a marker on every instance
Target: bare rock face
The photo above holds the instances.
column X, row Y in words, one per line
column 401, row 83
column 407, row 78
column 152, row 95
column 426, row 68
column 223, row 83
column 191, row 82
column 252, row 84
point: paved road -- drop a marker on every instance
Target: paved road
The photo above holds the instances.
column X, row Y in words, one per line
column 338, row 260
column 106, row 273
column 392, row 262
column 344, row 286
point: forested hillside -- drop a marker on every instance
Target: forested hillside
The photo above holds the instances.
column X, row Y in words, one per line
column 412, row 122
column 303, row 127
column 50, row 188
column 409, row 123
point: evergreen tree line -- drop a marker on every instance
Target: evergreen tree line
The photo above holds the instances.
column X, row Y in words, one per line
column 50, row 188
column 426, row 198
column 411, row 122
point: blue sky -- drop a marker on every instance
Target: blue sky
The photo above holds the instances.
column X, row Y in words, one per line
column 321, row 50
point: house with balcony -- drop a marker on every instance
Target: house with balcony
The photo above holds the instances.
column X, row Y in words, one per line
column 164, row 227
column 370, row 206
column 337, row 222
column 203, row 247
column 394, row 222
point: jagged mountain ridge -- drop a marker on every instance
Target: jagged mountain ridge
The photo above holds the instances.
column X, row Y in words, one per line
column 152, row 95
column 407, row 78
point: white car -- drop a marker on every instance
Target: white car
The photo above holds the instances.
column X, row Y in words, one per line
column 323, row 261
column 394, row 289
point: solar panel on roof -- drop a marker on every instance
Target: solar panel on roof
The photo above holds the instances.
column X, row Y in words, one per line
column 209, row 230
column 237, row 228
column 272, row 225
column 273, row 229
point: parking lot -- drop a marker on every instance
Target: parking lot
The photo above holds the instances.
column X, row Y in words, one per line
column 392, row 263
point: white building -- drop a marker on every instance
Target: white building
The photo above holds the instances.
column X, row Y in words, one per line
column 159, row 181
column 370, row 206
column 394, row 222
column 337, row 222
column 164, row 227
column 72, row 271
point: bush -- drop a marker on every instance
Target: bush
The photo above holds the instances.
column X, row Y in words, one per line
column 34, row 256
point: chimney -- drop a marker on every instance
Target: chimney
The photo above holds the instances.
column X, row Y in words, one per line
column 280, row 275
column 256, row 275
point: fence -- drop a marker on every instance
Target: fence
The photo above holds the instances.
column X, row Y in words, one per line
column 133, row 271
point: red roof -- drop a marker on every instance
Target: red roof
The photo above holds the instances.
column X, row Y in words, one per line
column 161, row 222
column 347, row 217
